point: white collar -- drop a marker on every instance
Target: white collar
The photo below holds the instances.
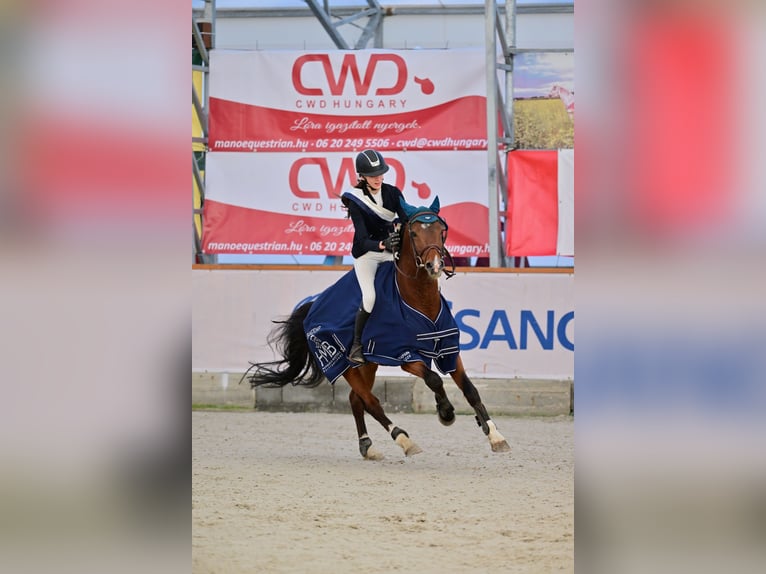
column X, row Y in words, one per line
column 377, row 208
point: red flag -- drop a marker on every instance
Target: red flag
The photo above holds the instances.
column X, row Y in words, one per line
column 532, row 221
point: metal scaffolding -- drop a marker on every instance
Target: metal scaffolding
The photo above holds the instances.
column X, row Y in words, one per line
column 203, row 40
column 372, row 28
column 500, row 25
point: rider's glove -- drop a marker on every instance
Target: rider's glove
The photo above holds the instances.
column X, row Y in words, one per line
column 391, row 243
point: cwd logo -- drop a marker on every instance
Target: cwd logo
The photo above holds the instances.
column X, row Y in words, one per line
column 315, row 178
column 423, row 189
column 315, row 75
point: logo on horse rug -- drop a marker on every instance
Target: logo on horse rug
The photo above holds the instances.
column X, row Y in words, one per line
column 395, row 333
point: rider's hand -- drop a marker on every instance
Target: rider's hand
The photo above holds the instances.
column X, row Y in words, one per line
column 391, row 243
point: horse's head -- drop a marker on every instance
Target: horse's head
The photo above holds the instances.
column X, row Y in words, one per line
column 423, row 238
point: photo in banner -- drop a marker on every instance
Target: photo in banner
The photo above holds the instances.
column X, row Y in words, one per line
column 543, row 100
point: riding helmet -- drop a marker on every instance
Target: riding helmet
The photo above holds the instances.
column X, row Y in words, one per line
column 371, row 163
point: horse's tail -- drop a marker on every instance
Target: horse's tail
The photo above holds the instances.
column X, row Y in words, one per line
column 297, row 366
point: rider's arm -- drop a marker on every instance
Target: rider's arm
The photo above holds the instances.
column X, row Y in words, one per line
column 362, row 241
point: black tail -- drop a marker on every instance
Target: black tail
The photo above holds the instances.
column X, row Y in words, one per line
column 297, row 366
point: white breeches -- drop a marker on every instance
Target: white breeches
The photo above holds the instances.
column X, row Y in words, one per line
column 365, row 267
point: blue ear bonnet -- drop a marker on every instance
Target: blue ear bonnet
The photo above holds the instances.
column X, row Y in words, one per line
column 422, row 213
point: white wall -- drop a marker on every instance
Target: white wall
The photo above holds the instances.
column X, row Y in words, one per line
column 234, row 309
column 399, row 32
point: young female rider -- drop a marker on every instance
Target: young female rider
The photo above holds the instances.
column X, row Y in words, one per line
column 372, row 206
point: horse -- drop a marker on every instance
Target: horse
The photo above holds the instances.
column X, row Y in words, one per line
column 418, row 265
column 566, row 96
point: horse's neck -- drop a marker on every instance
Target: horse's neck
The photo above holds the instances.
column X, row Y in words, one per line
column 419, row 291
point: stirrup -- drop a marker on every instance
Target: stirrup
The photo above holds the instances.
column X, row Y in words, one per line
column 355, row 355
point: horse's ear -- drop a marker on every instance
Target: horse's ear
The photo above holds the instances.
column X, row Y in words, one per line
column 435, row 205
column 408, row 209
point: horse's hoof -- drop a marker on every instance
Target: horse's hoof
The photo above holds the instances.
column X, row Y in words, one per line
column 406, row 443
column 445, row 410
column 373, row 454
column 447, row 421
column 500, row 446
column 367, row 451
column 412, row 450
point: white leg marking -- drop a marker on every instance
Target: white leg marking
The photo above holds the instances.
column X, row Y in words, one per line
column 496, row 440
column 408, row 445
column 374, row 454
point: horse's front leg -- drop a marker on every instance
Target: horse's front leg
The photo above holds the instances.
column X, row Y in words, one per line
column 496, row 440
column 361, row 380
column 433, row 381
column 365, row 442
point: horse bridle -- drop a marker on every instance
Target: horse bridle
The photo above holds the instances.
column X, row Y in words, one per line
column 441, row 249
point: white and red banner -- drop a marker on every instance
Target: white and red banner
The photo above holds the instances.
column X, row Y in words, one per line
column 340, row 100
column 540, row 219
column 276, row 203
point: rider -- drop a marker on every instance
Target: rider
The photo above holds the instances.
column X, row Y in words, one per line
column 372, row 206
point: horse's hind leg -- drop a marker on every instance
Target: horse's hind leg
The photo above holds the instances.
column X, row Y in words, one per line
column 444, row 407
column 365, row 442
column 496, row 440
column 361, row 380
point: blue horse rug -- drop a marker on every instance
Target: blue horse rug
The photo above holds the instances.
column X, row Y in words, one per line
column 394, row 334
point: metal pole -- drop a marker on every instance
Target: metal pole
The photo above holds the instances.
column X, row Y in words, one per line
column 321, row 13
column 510, row 36
column 490, row 40
column 210, row 14
column 510, row 46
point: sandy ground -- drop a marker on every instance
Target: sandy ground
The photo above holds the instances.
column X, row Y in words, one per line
column 282, row 492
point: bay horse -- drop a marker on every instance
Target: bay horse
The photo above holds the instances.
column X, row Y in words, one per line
column 419, row 263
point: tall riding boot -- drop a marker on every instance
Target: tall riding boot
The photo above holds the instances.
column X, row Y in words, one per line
column 355, row 354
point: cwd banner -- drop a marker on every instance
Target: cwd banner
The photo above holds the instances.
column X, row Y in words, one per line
column 540, row 219
column 272, row 203
column 341, row 100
